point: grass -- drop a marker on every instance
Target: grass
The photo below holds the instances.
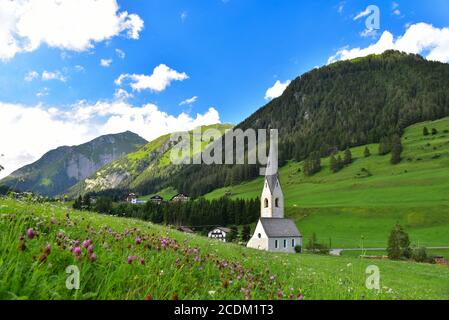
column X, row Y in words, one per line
column 166, row 193
column 225, row 271
column 349, row 205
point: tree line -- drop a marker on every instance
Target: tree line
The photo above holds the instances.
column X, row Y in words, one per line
column 200, row 214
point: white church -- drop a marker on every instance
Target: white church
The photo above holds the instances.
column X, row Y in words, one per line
column 273, row 232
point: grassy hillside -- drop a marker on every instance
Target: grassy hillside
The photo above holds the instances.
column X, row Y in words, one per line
column 174, row 264
column 350, row 204
column 140, row 170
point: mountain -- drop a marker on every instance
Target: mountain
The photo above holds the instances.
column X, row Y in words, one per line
column 345, row 104
column 60, row 169
column 139, row 170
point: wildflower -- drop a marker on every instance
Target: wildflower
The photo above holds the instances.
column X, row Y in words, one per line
column 77, row 251
column 47, row 248
column 130, row 259
column 142, row 261
column 60, row 234
column 138, row 240
column 77, row 243
column 90, row 249
column 149, row 297
column 300, row 297
column 86, row 243
column 53, row 220
column 30, row 233
column 93, row 257
column 280, row 294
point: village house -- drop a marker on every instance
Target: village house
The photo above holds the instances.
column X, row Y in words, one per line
column 180, row 197
column 219, row 233
column 185, row 229
column 273, row 232
column 157, row 199
column 132, row 198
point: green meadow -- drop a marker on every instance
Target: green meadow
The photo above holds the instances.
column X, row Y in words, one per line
column 138, row 260
column 359, row 205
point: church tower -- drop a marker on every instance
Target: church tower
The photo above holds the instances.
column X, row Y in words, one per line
column 272, row 200
column 273, row 232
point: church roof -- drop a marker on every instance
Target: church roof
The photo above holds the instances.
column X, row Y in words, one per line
column 279, row 228
column 272, row 179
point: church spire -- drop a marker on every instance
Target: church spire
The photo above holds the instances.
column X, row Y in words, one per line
column 272, row 165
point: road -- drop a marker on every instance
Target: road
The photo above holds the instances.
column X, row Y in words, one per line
column 337, row 252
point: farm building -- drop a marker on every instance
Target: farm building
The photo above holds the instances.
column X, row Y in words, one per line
column 180, row 197
column 157, row 199
column 219, row 233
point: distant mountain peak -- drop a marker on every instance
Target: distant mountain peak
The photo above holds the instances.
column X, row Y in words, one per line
column 61, row 168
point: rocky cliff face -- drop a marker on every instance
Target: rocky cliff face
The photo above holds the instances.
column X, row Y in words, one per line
column 60, row 169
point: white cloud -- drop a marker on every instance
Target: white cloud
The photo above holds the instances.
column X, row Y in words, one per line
column 30, row 76
column 160, row 79
column 188, row 101
column 120, row 53
column 25, row 25
column 79, row 68
column 341, row 7
column 184, row 16
column 368, row 33
column 29, row 131
column 122, row 94
column 276, row 90
column 106, row 63
column 53, row 75
column 397, row 12
column 362, row 14
column 43, row 93
column 420, row 38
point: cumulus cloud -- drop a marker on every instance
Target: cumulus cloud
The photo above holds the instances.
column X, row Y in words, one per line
column 122, row 94
column 30, row 130
column 420, row 38
column 53, row 75
column 106, row 63
column 30, row 76
column 120, row 53
column 188, row 101
column 25, row 25
column 161, row 78
column 276, row 90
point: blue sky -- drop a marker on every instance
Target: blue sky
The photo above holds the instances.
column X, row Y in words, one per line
column 227, row 54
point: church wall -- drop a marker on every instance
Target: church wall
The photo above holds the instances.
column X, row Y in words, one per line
column 280, row 248
column 256, row 242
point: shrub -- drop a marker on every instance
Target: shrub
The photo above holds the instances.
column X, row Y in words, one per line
column 420, row 255
column 298, row 249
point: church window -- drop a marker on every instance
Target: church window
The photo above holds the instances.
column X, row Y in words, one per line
column 285, row 243
column 277, row 203
column 276, row 244
column 259, row 235
column 293, row 243
column 266, row 203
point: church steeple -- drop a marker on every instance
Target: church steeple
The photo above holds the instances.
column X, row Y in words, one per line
column 272, row 200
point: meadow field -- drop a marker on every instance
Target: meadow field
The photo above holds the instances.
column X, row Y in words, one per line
column 359, row 205
column 121, row 258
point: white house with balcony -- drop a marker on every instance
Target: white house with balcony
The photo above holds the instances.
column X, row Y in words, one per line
column 273, row 232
